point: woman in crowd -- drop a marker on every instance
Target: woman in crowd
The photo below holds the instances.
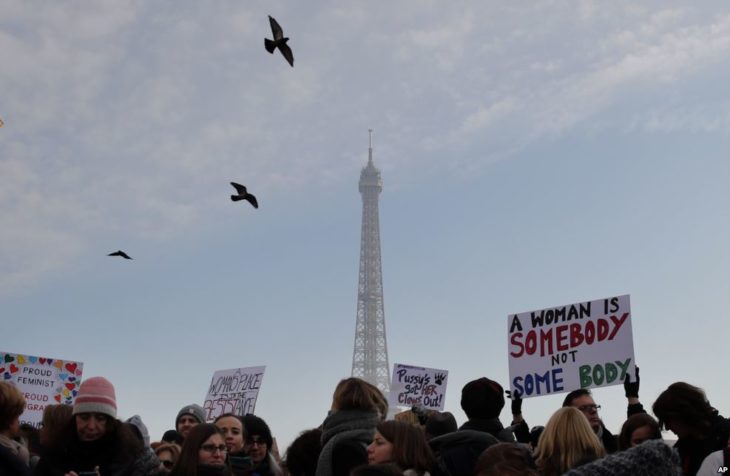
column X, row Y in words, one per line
column 235, row 437
column 684, row 410
column 567, row 442
column 95, row 441
column 203, row 453
column 168, row 454
column 403, row 444
column 14, row 457
column 357, row 407
column 637, row 429
column 259, row 446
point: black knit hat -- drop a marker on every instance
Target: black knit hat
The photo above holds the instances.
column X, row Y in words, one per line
column 482, row 398
column 256, row 426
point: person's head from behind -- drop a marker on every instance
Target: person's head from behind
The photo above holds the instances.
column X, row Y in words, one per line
column 506, row 459
column 12, row 405
column 401, row 443
column 172, row 436
column 637, row 429
column 303, row 452
column 55, row 418
column 95, row 409
column 168, row 454
column 684, row 410
column 258, row 438
column 583, row 401
column 356, row 394
column 482, row 399
column 567, row 442
column 232, row 428
column 204, row 445
column 439, row 423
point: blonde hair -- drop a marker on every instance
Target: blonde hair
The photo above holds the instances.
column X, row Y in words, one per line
column 567, row 442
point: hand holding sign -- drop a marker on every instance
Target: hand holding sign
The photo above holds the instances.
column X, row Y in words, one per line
column 516, row 398
column 631, row 389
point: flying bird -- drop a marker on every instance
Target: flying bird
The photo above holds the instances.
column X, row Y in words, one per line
column 120, row 253
column 279, row 41
column 243, row 195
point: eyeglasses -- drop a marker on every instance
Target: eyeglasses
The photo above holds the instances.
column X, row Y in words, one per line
column 167, row 463
column 589, row 408
column 256, row 442
column 213, row 448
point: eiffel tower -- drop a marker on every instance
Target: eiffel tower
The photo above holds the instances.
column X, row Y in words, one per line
column 370, row 355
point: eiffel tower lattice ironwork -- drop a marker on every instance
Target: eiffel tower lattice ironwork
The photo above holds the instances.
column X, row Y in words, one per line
column 370, row 355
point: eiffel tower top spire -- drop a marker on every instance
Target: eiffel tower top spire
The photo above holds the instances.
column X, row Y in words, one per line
column 370, row 353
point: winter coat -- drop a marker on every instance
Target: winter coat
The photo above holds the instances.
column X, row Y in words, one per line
column 457, row 453
column 345, row 437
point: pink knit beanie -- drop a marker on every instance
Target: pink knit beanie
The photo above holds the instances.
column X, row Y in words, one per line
column 96, row 395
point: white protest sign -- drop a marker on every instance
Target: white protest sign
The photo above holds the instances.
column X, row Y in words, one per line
column 561, row 349
column 233, row 391
column 42, row 381
column 418, row 386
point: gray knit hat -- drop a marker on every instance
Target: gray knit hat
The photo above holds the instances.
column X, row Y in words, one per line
column 194, row 410
column 136, row 421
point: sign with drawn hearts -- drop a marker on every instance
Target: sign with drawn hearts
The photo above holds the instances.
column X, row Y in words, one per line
column 43, row 381
column 418, row 387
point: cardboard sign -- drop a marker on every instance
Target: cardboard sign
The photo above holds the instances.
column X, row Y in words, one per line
column 42, row 381
column 233, row 391
column 561, row 349
column 419, row 387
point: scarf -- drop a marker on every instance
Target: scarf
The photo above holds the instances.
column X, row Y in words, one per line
column 357, row 425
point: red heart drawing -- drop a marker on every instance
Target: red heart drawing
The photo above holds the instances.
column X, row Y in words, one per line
column 70, row 386
column 42, row 360
column 13, row 368
column 58, row 398
column 2, row 369
column 71, row 367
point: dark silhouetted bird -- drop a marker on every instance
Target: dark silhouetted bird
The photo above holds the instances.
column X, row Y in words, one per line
column 120, row 253
column 243, row 195
column 278, row 42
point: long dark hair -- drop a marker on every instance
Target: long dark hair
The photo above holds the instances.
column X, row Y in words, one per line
column 684, row 403
column 410, row 448
column 187, row 463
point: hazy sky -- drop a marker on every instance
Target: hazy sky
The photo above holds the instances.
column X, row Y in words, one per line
column 533, row 154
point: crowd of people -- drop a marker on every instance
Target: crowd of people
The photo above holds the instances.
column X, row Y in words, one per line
column 356, row 439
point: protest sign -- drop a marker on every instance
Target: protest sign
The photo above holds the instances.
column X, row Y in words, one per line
column 418, row 386
column 561, row 349
column 233, row 391
column 42, row 381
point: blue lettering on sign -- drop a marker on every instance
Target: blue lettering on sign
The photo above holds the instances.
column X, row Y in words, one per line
column 539, row 384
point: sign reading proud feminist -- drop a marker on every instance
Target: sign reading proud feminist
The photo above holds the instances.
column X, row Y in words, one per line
column 419, row 387
column 561, row 349
column 233, row 391
column 42, row 381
